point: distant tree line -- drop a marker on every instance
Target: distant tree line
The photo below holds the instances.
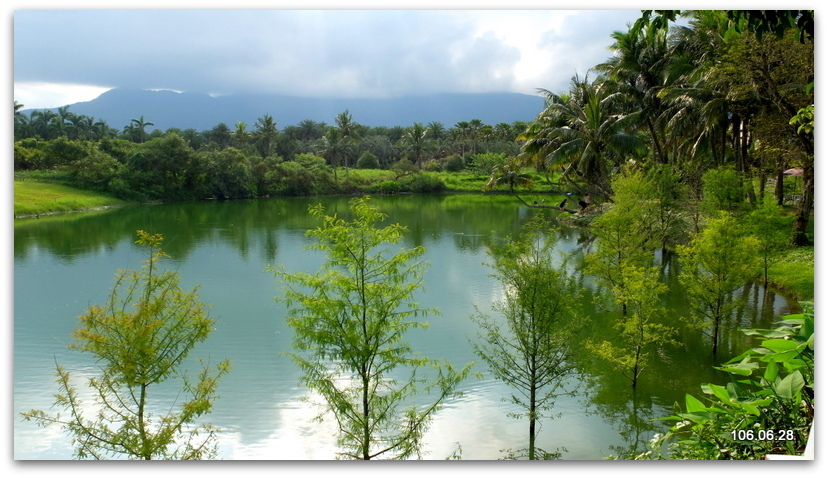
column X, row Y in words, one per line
column 142, row 164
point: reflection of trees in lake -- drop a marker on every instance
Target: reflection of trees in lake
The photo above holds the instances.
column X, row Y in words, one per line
column 632, row 414
column 253, row 225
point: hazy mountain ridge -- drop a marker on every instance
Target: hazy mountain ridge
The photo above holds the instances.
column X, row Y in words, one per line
column 167, row 109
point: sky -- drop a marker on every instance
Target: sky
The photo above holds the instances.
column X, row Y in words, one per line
column 65, row 56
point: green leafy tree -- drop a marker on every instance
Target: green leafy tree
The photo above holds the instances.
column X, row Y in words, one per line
column 627, row 234
column 717, row 261
column 164, row 168
column 141, row 337
column 722, row 189
column 532, row 348
column 265, row 134
column 640, row 336
column 368, row 160
column 349, row 323
column 769, row 224
column 416, row 142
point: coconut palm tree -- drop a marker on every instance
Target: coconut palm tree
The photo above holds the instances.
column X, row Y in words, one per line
column 639, row 68
column 511, row 174
column 348, row 135
column 584, row 132
column 332, row 147
column 43, row 123
column 265, row 134
column 138, row 128
column 240, row 135
column 415, row 138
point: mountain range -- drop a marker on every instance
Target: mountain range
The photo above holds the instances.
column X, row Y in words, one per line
column 167, row 109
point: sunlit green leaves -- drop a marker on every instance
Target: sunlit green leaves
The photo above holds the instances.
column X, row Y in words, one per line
column 141, row 336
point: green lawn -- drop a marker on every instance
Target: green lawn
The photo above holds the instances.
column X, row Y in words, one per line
column 34, row 197
column 793, row 271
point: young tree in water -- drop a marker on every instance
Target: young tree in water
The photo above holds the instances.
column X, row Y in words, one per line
column 639, row 334
column 349, row 321
column 769, row 224
column 717, row 261
column 628, row 233
column 530, row 350
column 141, row 336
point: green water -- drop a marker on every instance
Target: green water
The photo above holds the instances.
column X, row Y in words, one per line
column 62, row 265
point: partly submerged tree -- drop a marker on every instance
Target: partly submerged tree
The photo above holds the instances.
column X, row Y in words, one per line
column 141, row 337
column 350, row 321
column 628, row 233
column 717, row 261
column 530, row 347
column 640, row 332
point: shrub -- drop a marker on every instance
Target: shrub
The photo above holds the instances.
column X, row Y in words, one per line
column 454, row 163
column 387, row 187
column 722, row 188
column 432, row 165
column 96, row 170
column 484, row 163
column 368, row 161
column 422, row 183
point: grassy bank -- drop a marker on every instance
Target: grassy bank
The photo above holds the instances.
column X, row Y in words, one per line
column 793, row 272
column 37, row 198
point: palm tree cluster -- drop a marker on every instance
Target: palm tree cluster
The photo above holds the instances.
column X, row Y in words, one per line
column 704, row 94
column 49, row 124
column 341, row 144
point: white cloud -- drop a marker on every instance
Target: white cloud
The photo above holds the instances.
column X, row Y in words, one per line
column 48, row 95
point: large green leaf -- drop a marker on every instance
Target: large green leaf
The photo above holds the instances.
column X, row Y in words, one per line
column 771, row 372
column 720, row 392
column 780, row 345
column 745, row 367
column 693, row 404
column 790, row 386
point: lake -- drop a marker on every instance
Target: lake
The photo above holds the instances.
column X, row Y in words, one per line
column 64, row 264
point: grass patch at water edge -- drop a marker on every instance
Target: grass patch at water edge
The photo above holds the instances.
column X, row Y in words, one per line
column 34, row 197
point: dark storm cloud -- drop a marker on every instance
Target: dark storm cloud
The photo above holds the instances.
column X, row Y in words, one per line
column 358, row 53
column 346, row 52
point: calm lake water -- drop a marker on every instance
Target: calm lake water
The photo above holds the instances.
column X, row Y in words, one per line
column 63, row 265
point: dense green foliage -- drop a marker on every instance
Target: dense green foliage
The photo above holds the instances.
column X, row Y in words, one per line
column 141, row 337
column 717, row 261
column 306, row 159
column 766, row 408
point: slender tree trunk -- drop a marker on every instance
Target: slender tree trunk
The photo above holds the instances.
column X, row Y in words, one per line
column 532, row 409
column 716, row 321
column 145, row 445
column 779, row 190
column 366, row 428
column 656, row 144
column 804, row 208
